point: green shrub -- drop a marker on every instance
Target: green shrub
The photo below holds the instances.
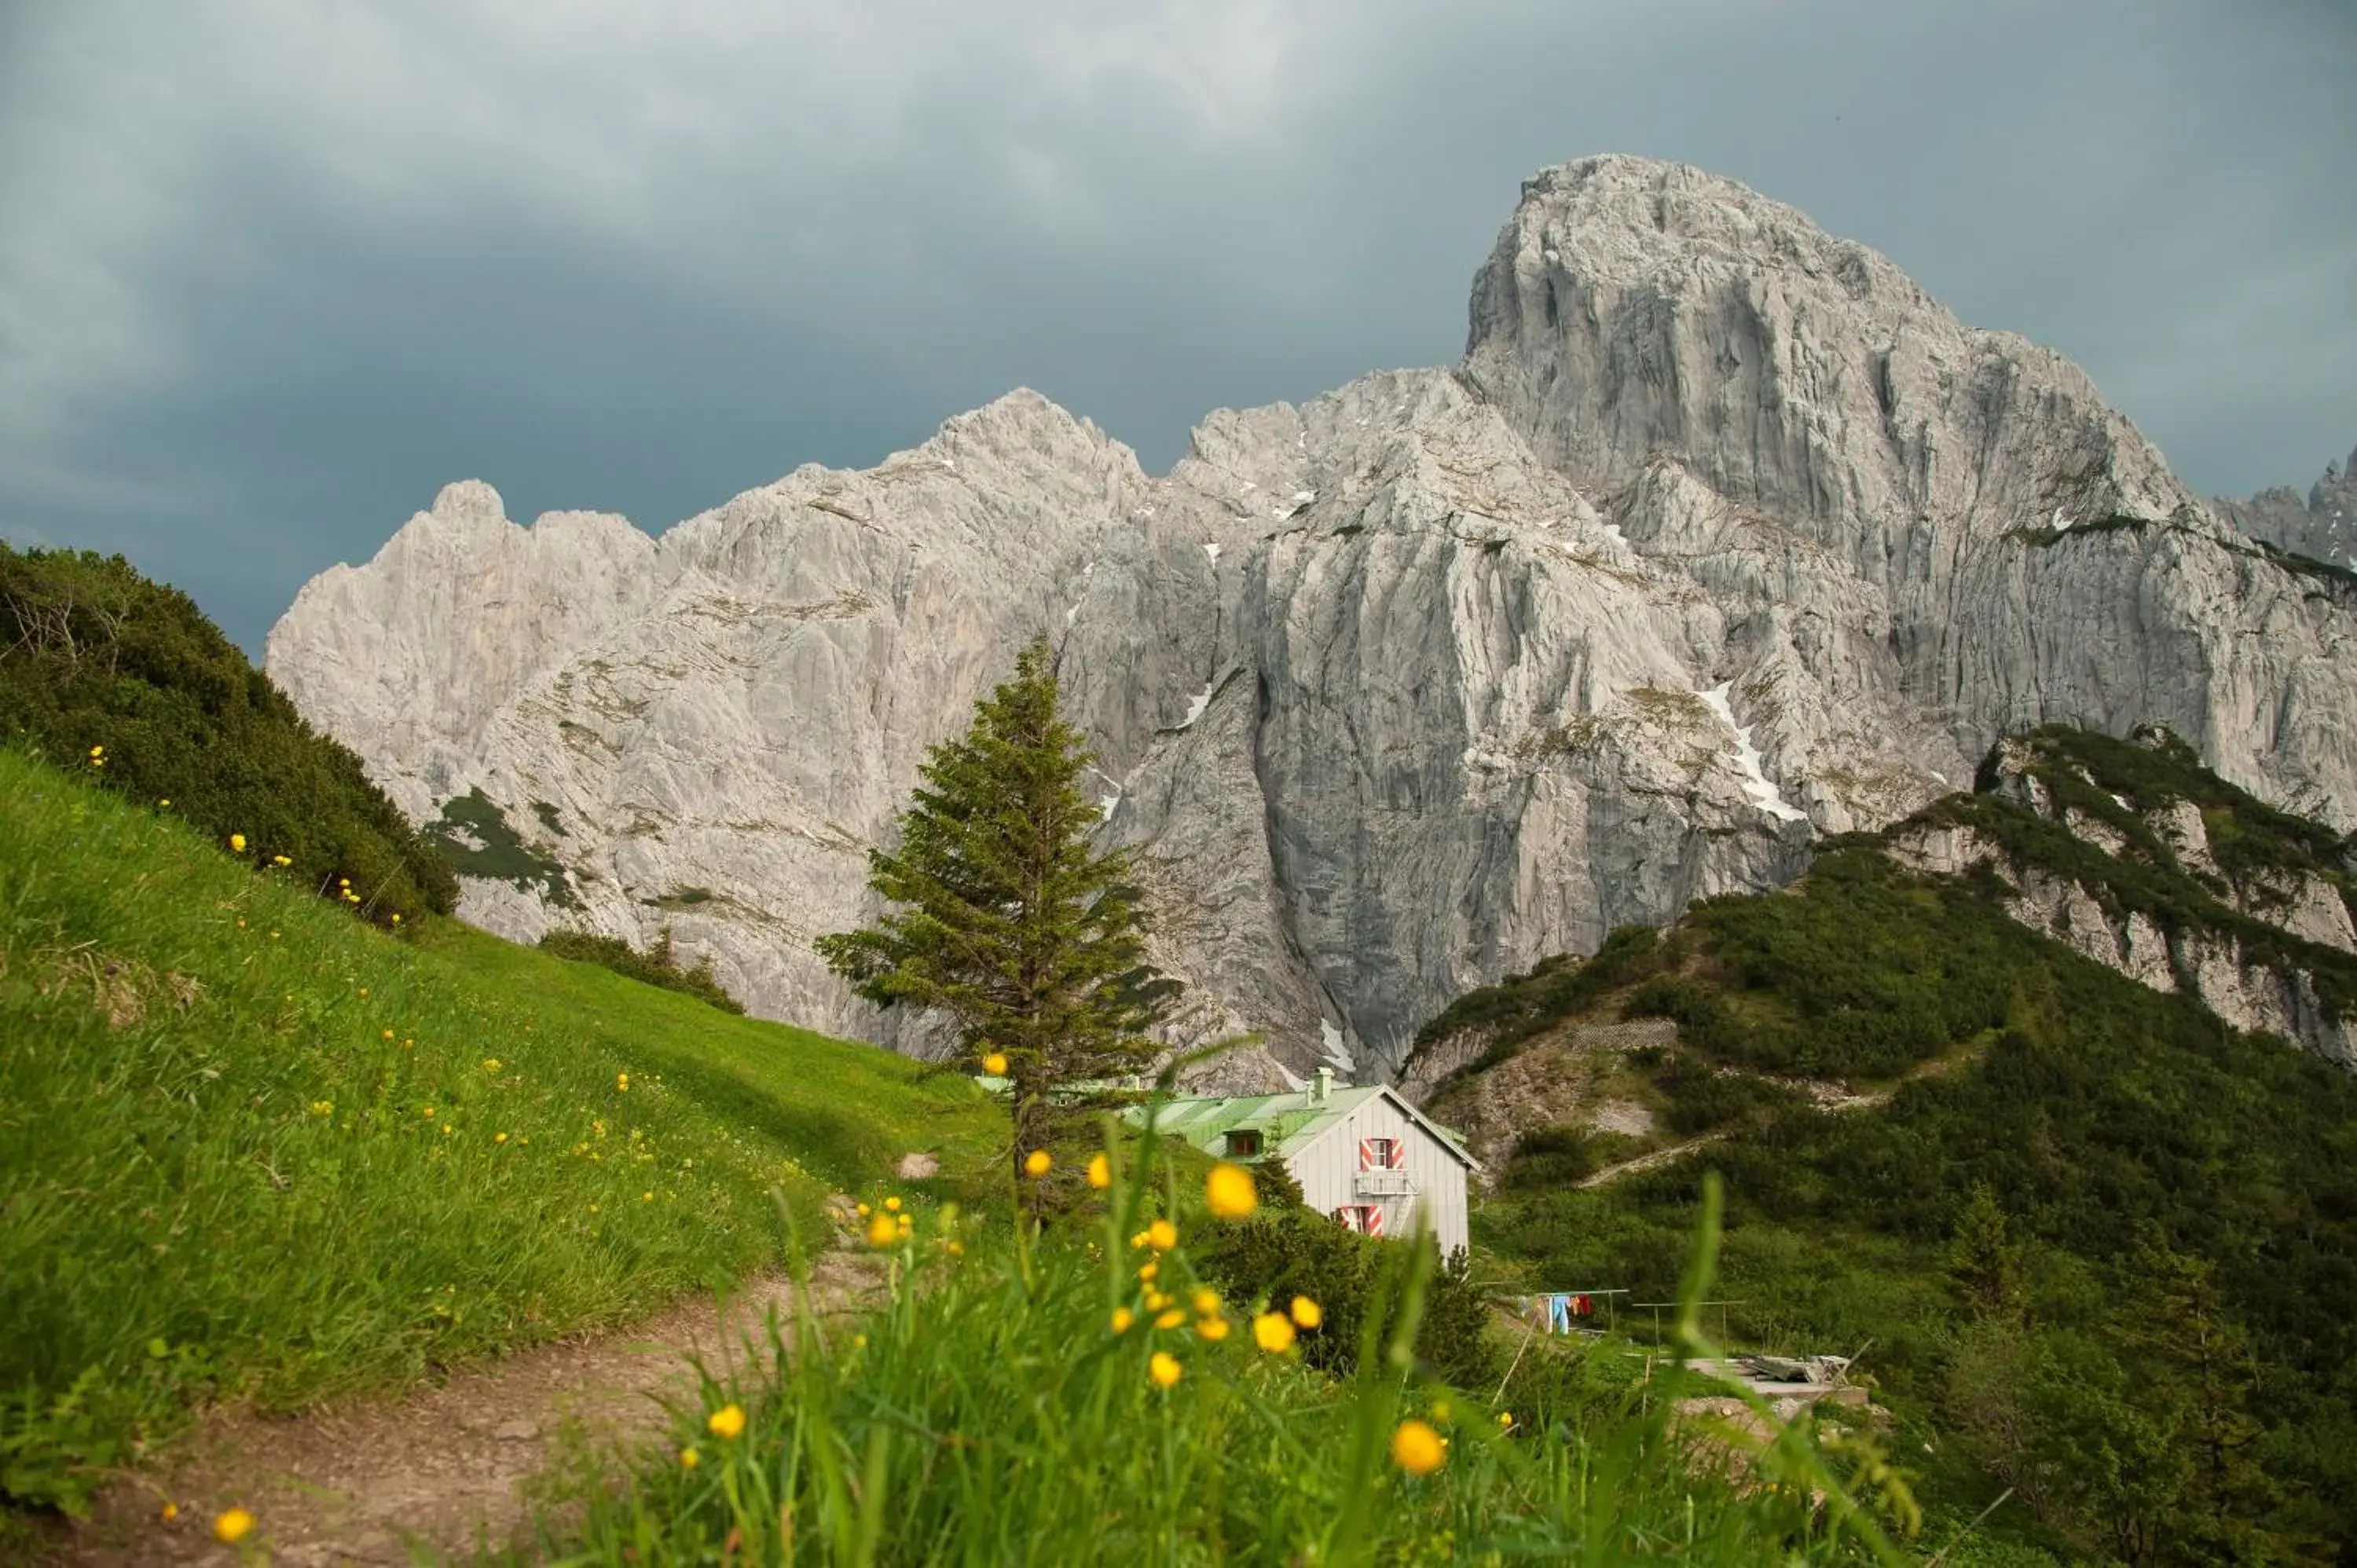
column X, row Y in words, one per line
column 658, row 967
column 1275, row 1256
column 100, row 658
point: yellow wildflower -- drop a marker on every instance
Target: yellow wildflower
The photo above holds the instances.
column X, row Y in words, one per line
column 1229, row 1193
column 727, row 1422
column 689, row 1458
column 1163, row 1369
column 1305, row 1312
column 1122, row 1318
column 882, row 1231
column 280, row 860
column 237, row 845
column 1156, row 1301
column 893, row 1204
column 1212, row 1328
column 1037, row 1162
column 323, row 1108
column 1273, row 1332
column 396, row 916
column 1443, row 1412
column 364, row 992
column 1416, row 1448
column 1099, row 1172
column 1207, row 1301
column 388, row 1035
column 1505, row 1418
column 865, row 1211
column 490, row 1064
column 98, row 751
column 1162, row 1235
column 908, row 1227
column 622, row 1083
column 171, row 1511
column 1147, row 1271
column 233, row 1526
column 499, row 1138
column 995, row 1064
column 1138, row 1241
column 166, row 802
column 1170, row 1319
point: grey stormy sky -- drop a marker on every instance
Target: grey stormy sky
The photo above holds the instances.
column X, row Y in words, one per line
column 273, row 270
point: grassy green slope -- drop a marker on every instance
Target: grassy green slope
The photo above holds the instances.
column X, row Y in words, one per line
column 2105, row 1259
column 252, row 1148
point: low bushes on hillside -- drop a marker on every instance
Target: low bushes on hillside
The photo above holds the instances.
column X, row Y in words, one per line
column 659, row 966
column 125, row 682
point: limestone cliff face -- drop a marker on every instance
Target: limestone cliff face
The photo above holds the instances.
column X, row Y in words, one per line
column 1722, row 534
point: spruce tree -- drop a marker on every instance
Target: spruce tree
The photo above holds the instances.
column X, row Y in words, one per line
column 1006, row 918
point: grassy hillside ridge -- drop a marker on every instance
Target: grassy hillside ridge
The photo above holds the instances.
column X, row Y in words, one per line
column 126, row 680
column 255, row 1149
column 2103, row 1259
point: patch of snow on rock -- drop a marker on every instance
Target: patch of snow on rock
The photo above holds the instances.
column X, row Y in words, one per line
column 1212, row 550
column 1756, row 784
column 1337, row 1052
column 1203, row 700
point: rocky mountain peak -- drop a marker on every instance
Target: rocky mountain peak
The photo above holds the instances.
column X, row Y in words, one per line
column 1723, row 535
column 2324, row 529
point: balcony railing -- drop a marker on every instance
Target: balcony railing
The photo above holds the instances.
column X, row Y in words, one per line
column 1384, row 1184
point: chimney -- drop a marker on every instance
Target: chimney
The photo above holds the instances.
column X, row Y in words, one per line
column 1321, row 1086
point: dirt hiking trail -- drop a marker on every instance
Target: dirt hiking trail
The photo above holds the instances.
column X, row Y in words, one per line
column 445, row 1467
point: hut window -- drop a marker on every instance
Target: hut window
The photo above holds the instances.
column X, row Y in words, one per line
column 1244, row 1143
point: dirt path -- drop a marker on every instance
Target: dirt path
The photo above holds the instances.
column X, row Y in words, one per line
column 446, row 1467
column 1827, row 1099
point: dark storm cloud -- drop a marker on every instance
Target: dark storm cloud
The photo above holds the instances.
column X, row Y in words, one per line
column 268, row 282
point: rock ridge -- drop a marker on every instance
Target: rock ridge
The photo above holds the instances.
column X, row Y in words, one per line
column 1722, row 534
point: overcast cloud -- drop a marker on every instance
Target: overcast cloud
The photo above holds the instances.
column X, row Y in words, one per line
column 272, row 271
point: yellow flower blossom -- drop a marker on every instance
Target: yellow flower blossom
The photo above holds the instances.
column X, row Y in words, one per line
column 893, row 1204
column 1416, row 1448
column 1156, row 1301
column 1206, row 1301
column 1228, row 1191
column 1036, row 1162
column 689, row 1458
column 499, row 1138
column 1162, row 1235
column 233, row 1526
column 1099, row 1172
column 1122, row 1318
column 995, row 1064
column 388, row 1035
column 490, row 1064
column 622, row 1083
column 1212, row 1328
column 396, row 916
column 882, row 1231
column 1506, row 1418
column 1170, row 1319
column 727, row 1422
column 1163, row 1369
column 1305, row 1312
column 323, row 1108
column 237, row 845
column 280, row 860
column 1273, row 1332
column 97, row 751
column 1147, row 1271
column 865, row 1211
column 170, row 1512
column 166, row 803
column 1137, row 1241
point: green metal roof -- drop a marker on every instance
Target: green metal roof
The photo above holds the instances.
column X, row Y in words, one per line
column 1287, row 1123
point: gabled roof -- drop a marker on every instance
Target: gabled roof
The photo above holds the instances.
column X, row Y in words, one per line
column 1289, row 1123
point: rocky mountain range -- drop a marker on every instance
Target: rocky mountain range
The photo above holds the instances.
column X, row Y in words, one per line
column 1722, row 535
column 2323, row 528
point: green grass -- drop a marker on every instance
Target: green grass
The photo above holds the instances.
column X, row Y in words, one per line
column 257, row 1150
column 996, row 1413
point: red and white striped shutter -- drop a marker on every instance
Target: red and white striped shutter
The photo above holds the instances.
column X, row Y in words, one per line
column 1399, row 1154
column 1371, row 1218
column 1366, row 1153
column 1347, row 1217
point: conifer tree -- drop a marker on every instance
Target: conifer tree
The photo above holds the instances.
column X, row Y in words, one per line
column 1006, row 918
